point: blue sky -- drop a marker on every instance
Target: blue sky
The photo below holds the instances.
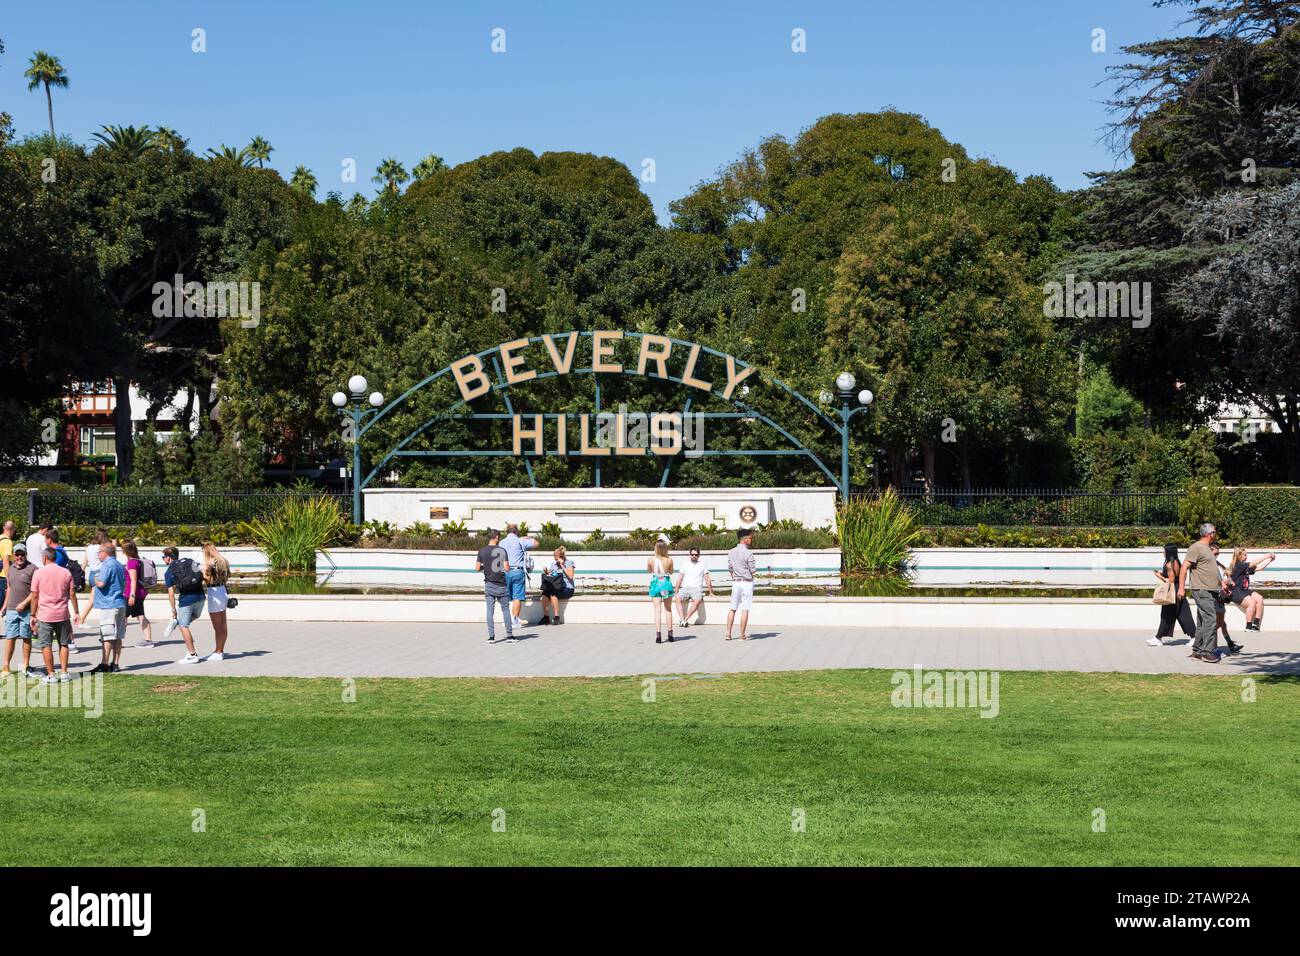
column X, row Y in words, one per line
column 689, row 84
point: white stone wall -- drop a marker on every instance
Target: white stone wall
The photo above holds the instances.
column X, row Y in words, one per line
column 579, row 511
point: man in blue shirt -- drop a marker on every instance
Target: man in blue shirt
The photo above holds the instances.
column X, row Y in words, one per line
column 517, row 577
column 108, row 598
column 187, row 601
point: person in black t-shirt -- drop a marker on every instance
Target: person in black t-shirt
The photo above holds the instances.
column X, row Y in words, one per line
column 1251, row 602
column 491, row 560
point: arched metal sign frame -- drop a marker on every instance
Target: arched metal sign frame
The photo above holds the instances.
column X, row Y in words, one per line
column 455, row 411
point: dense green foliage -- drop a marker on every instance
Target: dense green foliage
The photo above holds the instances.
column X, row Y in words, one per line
column 868, row 242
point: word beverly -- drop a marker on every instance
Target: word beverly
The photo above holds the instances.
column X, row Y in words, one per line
column 656, row 351
column 920, row 688
column 1102, row 300
column 86, row 692
column 103, row 909
column 208, row 300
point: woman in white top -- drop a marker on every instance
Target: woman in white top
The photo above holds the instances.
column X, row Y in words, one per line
column 216, row 572
column 91, row 564
column 660, row 567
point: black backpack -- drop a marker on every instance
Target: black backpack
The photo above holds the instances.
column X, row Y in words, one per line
column 186, row 577
column 78, row 574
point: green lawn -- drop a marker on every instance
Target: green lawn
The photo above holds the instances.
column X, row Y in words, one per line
column 587, row 773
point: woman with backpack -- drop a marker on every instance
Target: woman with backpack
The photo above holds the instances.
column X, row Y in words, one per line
column 557, row 584
column 137, row 590
column 216, row 572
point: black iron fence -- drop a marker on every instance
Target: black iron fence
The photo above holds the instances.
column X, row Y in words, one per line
column 1059, row 507
column 126, row 507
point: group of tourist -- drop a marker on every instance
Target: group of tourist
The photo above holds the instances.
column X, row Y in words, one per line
column 1211, row 586
column 39, row 585
column 505, row 564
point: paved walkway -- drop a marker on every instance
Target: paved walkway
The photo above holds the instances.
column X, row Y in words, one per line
column 461, row 650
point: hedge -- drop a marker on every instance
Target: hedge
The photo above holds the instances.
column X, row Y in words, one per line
column 985, row 536
column 1266, row 515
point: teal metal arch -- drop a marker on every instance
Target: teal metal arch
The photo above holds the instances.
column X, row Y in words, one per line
column 500, row 386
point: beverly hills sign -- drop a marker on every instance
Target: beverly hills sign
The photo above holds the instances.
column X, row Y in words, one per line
column 616, row 433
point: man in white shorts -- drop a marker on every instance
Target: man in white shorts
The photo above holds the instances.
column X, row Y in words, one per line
column 108, row 599
column 692, row 579
column 740, row 563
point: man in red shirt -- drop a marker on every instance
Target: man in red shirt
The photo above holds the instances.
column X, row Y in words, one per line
column 52, row 591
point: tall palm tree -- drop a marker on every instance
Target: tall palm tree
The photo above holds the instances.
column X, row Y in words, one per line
column 167, row 138
column 428, row 166
column 260, row 150
column 128, row 141
column 231, row 155
column 304, row 180
column 391, row 173
column 48, row 71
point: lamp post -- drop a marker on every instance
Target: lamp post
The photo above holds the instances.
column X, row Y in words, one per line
column 844, row 383
column 358, row 400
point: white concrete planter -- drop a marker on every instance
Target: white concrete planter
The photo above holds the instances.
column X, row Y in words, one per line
column 1078, row 615
column 397, row 567
column 1101, row 567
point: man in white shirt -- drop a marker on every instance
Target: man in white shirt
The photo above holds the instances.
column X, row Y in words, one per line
column 692, row 579
column 36, row 541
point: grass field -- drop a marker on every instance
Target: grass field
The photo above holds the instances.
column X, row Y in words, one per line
column 287, row 772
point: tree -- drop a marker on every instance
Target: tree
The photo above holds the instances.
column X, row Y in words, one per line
column 144, row 221
column 304, row 180
column 50, row 322
column 167, row 138
column 260, row 150
column 46, row 70
column 131, row 142
column 951, row 333
column 1250, row 294
column 391, row 174
column 1202, row 114
column 1104, row 406
column 228, row 154
column 428, row 166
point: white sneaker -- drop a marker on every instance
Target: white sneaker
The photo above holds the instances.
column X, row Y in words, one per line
column 1154, row 641
column 64, row 677
column 190, row 659
column 514, row 622
column 144, row 644
column 216, row 656
column 49, row 679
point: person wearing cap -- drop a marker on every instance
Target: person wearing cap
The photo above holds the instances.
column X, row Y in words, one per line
column 1200, row 576
column 516, row 549
column 740, row 564
column 18, row 618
